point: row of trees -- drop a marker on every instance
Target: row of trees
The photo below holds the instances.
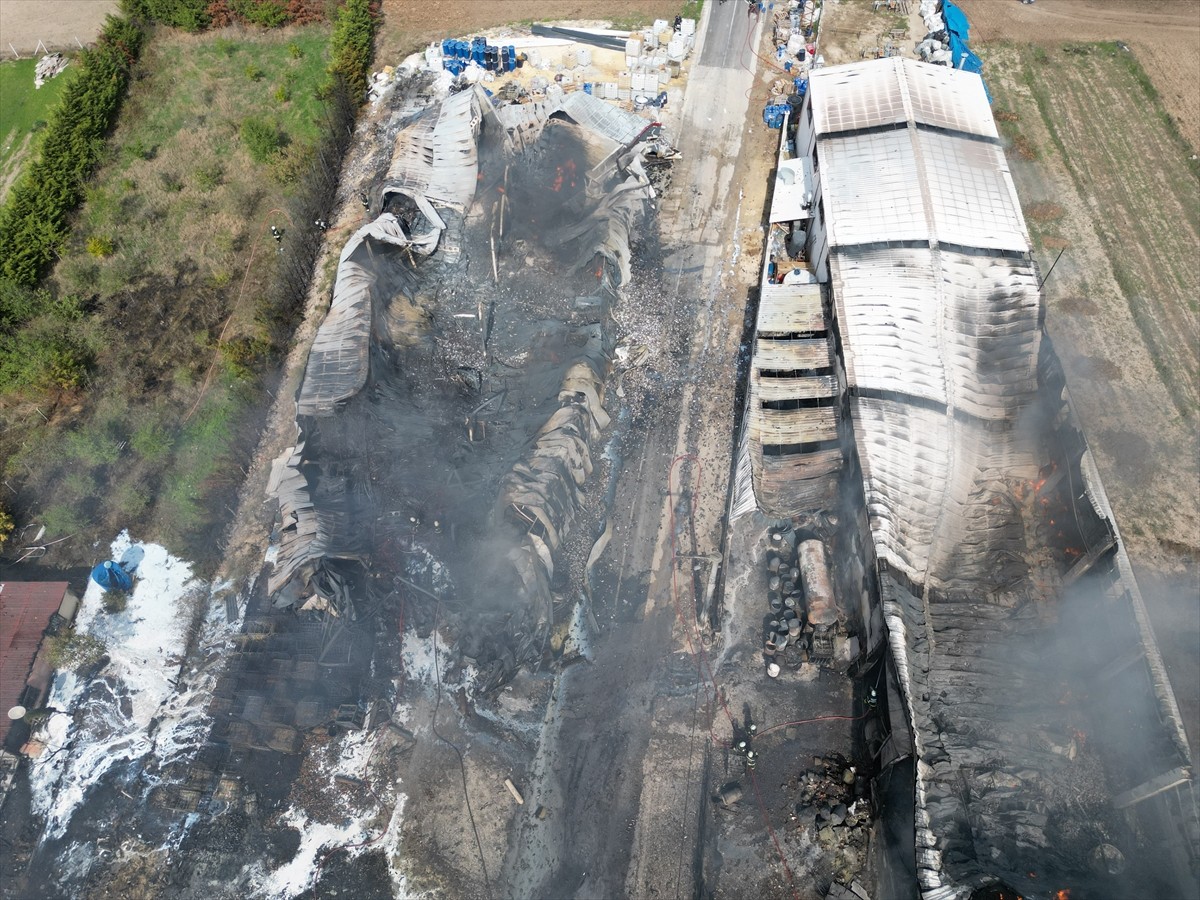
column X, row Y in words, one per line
column 351, row 47
column 197, row 15
column 34, row 220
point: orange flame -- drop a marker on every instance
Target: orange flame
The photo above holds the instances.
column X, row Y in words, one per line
column 1064, row 894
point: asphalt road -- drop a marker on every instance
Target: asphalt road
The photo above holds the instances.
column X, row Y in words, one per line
column 726, row 37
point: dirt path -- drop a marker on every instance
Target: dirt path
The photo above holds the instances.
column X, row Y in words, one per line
column 621, row 772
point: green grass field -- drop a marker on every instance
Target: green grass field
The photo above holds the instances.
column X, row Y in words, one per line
column 172, row 221
column 23, row 113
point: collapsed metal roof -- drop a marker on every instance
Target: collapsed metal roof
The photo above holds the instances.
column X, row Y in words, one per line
column 333, row 502
column 437, row 155
column 954, row 395
column 936, row 299
column 339, row 359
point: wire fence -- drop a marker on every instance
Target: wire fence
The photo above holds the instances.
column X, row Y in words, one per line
column 40, row 47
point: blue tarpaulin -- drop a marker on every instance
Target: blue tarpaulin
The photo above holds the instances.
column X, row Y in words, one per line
column 112, row 577
column 956, row 20
column 958, row 29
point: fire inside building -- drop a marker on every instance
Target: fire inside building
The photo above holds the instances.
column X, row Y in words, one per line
column 889, row 645
column 1026, row 706
column 938, row 530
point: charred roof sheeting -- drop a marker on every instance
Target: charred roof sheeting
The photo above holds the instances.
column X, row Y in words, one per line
column 960, row 418
column 437, row 155
column 315, row 524
column 523, row 122
column 607, row 232
column 904, row 452
column 332, row 492
column 542, row 493
column 896, row 304
column 339, row 360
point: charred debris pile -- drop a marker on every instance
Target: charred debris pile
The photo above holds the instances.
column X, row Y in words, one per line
column 451, row 412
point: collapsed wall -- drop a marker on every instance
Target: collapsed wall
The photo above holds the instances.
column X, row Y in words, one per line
column 454, row 394
column 1006, row 594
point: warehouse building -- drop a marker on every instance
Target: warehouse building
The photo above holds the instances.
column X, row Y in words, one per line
column 1004, row 606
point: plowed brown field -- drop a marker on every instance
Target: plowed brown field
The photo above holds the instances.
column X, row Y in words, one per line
column 1165, row 35
column 56, row 23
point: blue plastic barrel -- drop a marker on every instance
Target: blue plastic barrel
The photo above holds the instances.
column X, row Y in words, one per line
column 110, row 576
column 587, row 87
column 512, row 57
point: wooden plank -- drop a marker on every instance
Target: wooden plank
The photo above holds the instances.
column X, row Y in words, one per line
column 794, row 426
column 790, row 356
column 768, row 389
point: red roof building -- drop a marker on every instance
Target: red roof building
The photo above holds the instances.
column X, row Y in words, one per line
column 25, row 611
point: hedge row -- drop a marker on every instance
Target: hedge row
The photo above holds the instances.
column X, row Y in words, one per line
column 196, row 15
column 352, row 46
column 33, row 222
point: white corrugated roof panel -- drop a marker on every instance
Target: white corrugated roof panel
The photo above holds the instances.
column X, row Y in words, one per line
column 871, row 189
column 858, row 95
column 948, row 98
column 891, row 91
column 920, row 185
column 971, row 194
column 887, row 306
column 604, row 118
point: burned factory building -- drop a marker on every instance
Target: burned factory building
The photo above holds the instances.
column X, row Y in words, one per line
column 657, row 505
column 1026, row 708
column 917, row 502
column 447, row 348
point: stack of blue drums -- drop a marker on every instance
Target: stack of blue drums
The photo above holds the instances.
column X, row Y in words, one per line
column 457, row 54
